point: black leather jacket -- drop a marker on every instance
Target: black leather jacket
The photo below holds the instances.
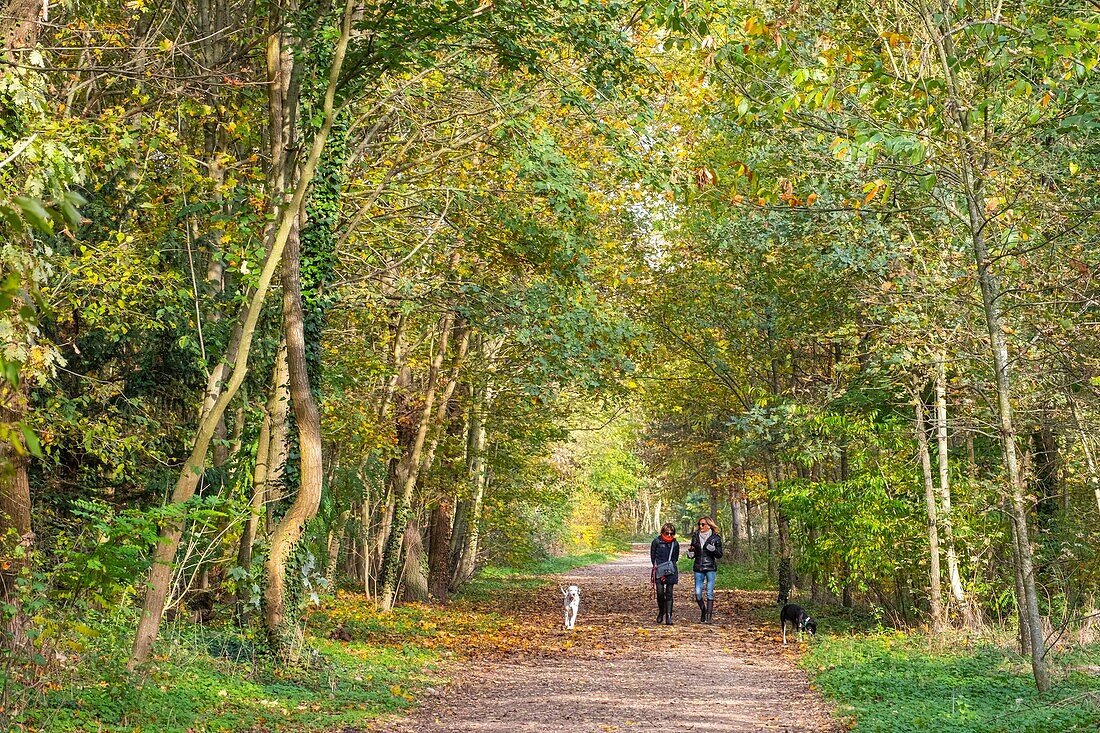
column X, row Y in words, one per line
column 706, row 557
column 661, row 551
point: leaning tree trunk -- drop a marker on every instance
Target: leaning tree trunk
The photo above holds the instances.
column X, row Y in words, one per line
column 935, row 596
column 163, row 556
column 284, row 629
column 1029, row 604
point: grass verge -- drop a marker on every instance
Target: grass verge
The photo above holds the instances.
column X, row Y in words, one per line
column 731, row 576
column 890, row 681
column 882, row 680
column 210, row 679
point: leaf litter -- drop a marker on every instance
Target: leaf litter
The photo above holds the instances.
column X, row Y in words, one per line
column 620, row 671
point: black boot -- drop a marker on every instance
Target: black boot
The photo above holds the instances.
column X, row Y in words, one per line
column 702, row 611
column 710, row 610
column 668, row 610
column 660, row 608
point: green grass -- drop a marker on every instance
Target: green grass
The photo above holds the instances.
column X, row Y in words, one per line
column 493, row 581
column 731, row 576
column 219, row 678
column 214, row 680
column 892, row 682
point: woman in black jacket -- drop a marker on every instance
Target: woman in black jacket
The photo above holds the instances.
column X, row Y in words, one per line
column 664, row 551
column 706, row 548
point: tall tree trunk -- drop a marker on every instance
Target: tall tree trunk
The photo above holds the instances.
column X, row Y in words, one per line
column 1023, row 633
column 284, row 631
column 377, row 548
column 16, row 535
column 771, row 534
column 336, row 537
column 935, row 595
column 940, row 26
column 738, row 536
column 991, row 299
column 20, row 24
column 447, row 421
column 268, row 453
column 750, row 540
column 439, row 549
column 442, row 516
column 465, row 536
column 736, row 550
column 407, row 475
column 161, row 573
column 784, row 577
column 946, row 520
column 414, row 582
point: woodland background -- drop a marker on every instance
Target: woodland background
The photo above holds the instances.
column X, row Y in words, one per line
column 301, row 296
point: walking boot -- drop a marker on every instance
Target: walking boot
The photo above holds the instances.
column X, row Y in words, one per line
column 660, row 609
column 668, row 610
column 702, row 611
column 710, row 610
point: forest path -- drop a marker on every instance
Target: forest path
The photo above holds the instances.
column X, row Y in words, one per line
column 619, row 671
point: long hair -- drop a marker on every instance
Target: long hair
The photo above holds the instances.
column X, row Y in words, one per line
column 710, row 523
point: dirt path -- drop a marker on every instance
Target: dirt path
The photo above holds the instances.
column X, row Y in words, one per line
column 619, row 671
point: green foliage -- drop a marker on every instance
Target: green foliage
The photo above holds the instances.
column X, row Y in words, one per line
column 225, row 679
column 856, row 527
column 214, row 680
column 110, row 549
column 526, row 521
column 738, row 575
column 889, row 682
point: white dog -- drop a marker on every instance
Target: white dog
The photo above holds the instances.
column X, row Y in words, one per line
column 571, row 603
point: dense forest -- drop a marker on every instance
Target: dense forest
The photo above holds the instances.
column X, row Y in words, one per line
column 302, row 296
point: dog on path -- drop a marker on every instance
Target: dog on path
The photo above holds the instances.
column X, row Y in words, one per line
column 799, row 620
column 571, row 604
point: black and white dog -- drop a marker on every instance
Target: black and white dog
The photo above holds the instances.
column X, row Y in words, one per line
column 571, row 604
column 799, row 620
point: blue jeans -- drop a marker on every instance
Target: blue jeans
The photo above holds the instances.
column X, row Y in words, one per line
column 710, row 575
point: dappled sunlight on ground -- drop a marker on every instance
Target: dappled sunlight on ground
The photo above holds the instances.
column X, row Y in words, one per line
column 620, row 671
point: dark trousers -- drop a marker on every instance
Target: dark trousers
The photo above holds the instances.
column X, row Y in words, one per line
column 664, row 595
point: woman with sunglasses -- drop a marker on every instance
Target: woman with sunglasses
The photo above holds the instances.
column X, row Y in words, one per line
column 706, row 548
column 664, row 551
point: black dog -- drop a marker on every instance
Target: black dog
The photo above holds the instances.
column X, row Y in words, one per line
column 797, row 617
